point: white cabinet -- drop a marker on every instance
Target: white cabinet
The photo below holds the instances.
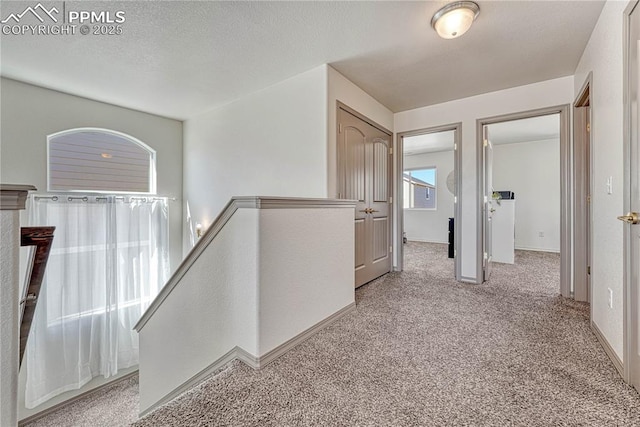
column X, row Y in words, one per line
column 503, row 231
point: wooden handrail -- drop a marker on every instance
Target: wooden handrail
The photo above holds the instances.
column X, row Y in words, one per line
column 41, row 238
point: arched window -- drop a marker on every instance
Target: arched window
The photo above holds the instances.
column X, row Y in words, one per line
column 99, row 160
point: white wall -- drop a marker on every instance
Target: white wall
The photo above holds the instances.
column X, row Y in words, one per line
column 431, row 225
column 532, row 171
column 603, row 56
column 256, row 286
column 216, row 300
column 299, row 288
column 270, row 143
column 30, row 113
column 468, row 110
column 343, row 90
column 9, row 255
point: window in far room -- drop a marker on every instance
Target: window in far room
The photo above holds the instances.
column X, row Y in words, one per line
column 419, row 188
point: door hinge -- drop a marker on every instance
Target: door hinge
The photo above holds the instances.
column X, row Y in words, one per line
column 455, row 146
column 589, row 199
column 340, row 128
column 485, row 255
column 485, row 142
column 391, row 151
column 391, row 249
column 589, row 269
column 391, row 200
column 455, row 253
column 588, row 127
column 485, row 199
column 455, row 199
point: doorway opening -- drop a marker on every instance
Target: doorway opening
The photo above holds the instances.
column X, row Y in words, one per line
column 523, row 187
column 428, row 180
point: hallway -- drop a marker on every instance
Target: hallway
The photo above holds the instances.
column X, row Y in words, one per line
column 421, row 349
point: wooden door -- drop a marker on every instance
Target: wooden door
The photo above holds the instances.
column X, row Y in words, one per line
column 364, row 169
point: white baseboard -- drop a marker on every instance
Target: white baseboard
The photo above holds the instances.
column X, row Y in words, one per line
column 608, row 349
column 248, row 358
column 88, row 393
column 554, row 251
column 427, row 241
column 283, row 348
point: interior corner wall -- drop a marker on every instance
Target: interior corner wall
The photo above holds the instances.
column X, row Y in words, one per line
column 468, row 110
column 342, row 89
column 604, row 57
column 532, row 171
column 29, row 113
column 428, row 225
column 269, row 143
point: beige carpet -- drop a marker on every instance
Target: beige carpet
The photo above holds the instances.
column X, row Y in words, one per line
column 421, row 350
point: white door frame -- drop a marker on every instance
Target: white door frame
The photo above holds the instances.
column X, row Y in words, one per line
column 399, row 202
column 565, row 189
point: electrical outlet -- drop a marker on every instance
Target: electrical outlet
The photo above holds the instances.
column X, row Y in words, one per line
column 541, row 234
column 610, row 185
column 610, row 297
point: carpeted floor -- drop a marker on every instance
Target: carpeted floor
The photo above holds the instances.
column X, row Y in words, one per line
column 423, row 350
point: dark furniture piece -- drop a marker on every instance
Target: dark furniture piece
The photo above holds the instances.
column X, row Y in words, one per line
column 451, row 235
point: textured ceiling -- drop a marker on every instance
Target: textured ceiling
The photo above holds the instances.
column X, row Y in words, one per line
column 178, row 58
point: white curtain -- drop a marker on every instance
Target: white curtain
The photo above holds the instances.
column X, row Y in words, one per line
column 109, row 259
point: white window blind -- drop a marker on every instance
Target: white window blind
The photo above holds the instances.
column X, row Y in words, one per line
column 99, row 160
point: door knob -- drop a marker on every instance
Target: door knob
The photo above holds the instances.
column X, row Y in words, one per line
column 630, row 218
column 373, row 210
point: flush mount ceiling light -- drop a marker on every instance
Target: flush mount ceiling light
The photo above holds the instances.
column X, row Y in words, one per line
column 455, row 19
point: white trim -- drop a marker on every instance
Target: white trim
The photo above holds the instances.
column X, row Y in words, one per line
column 255, row 362
column 566, row 188
column 427, row 241
column 551, row 251
column 66, row 403
column 13, row 197
column 608, row 349
column 457, row 212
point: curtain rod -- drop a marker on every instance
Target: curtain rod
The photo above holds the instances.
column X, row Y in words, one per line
column 86, row 198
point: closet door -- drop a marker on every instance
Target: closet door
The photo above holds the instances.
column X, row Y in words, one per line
column 364, row 161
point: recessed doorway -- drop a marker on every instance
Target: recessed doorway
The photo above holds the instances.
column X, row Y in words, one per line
column 523, row 187
column 428, row 197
